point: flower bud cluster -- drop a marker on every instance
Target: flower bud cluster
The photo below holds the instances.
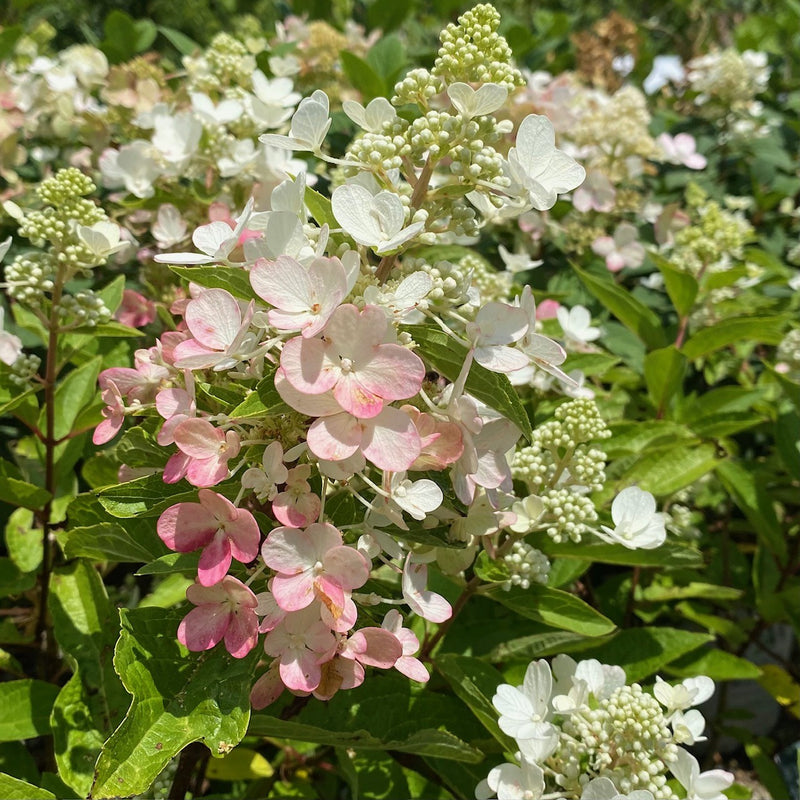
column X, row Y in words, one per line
column 567, row 515
column 29, row 276
column 24, row 369
column 560, row 468
column 418, row 87
column 83, row 308
column 525, row 565
column 450, row 282
column 558, row 455
column 715, row 237
column 473, row 52
column 227, row 60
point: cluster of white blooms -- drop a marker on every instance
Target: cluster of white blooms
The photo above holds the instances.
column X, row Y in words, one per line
column 727, row 83
column 615, row 131
column 53, row 92
column 729, row 77
column 231, row 103
column 582, row 733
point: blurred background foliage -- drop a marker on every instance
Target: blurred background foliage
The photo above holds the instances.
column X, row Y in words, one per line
column 542, row 33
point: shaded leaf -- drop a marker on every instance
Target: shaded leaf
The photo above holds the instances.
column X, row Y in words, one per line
column 447, row 356
column 644, row 651
column 767, row 330
column 748, row 493
column 663, row 374
column 26, row 708
column 668, row 469
column 633, row 314
column 475, row 682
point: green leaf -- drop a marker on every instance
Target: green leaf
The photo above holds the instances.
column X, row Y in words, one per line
column 633, row 314
column 26, row 708
column 114, row 330
column 112, row 542
column 663, row 374
column 554, row 608
column 72, row 395
column 765, row 330
column 11, row 34
column 668, row 469
column 537, row 645
column 681, row 287
column 634, row 438
column 378, row 715
column 147, row 496
column 243, row 764
column 362, row 76
column 24, row 540
column 18, row 492
column 233, row 280
column 760, row 753
column 489, row 570
column 170, row 564
column 125, row 37
column 643, row 651
column 668, row 555
column 15, row 789
column 137, row 448
column 747, row 492
column 178, row 698
column 85, row 623
column 387, row 16
column 320, row 208
column 722, row 425
column 112, row 293
column 387, row 57
column 475, row 682
column 718, row 665
column 447, row 356
column 12, row 580
column 659, row 593
column 8, row 405
column 787, row 440
column 169, row 592
column 790, row 388
column 263, row 401
column 180, row 41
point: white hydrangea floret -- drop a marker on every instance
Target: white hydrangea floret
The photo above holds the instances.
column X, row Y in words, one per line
column 376, row 221
column 637, row 524
column 310, row 125
column 471, row 102
column 708, row 785
column 538, row 167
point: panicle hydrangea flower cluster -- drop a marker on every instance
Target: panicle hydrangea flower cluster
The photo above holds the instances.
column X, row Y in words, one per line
column 333, row 348
column 582, row 733
column 710, row 241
